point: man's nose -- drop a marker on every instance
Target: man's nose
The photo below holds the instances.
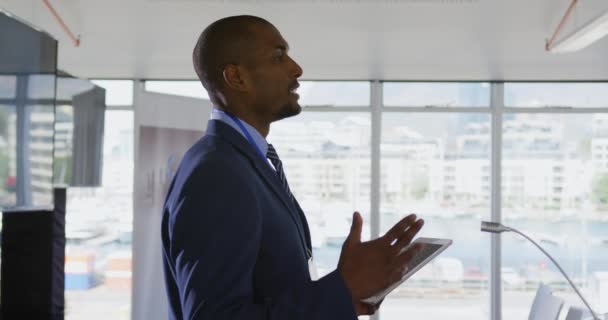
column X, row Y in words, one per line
column 297, row 70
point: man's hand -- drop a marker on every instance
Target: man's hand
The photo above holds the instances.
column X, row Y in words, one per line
column 369, row 267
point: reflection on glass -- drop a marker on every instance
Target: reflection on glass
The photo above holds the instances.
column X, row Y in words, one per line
column 436, row 94
column 64, row 131
column 39, row 162
column 555, row 189
column 8, row 158
column 78, row 132
column 326, row 157
column 99, row 228
column 28, row 67
column 437, row 166
column 26, row 141
column 589, row 95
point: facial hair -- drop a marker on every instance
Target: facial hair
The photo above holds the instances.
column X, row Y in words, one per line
column 288, row 110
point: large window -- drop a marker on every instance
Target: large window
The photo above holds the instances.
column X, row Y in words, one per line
column 552, row 187
column 555, row 189
column 437, row 165
column 326, row 157
column 435, row 141
column 436, row 149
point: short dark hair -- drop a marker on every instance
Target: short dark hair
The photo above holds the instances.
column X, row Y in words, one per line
column 222, row 42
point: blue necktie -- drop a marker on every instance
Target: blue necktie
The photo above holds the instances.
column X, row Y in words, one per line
column 278, row 165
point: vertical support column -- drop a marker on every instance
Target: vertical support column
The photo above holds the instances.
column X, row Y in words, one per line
column 23, row 174
column 376, row 106
column 138, row 90
column 497, row 107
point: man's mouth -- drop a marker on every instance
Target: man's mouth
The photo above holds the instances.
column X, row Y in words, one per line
column 294, row 88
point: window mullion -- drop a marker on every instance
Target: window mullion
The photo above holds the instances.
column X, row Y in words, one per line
column 497, row 107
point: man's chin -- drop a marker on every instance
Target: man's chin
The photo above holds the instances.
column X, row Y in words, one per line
column 289, row 111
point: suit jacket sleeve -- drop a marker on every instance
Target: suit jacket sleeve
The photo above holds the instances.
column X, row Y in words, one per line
column 215, row 234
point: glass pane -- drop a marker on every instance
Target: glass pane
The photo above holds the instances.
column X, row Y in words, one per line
column 8, row 157
column 79, row 132
column 99, row 228
column 118, row 92
column 39, row 157
column 64, row 136
column 326, row 157
column 437, row 94
column 193, row 89
column 8, row 86
column 438, row 166
column 585, row 95
column 334, row 93
column 554, row 189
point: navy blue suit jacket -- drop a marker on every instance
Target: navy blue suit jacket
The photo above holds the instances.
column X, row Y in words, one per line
column 233, row 243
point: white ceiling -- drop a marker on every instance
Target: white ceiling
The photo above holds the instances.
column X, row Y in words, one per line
column 331, row 39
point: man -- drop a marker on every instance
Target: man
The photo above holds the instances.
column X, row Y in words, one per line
column 236, row 243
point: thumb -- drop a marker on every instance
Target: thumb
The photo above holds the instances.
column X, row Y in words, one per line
column 355, row 228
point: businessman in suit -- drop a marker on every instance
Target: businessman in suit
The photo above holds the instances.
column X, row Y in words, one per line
column 236, row 244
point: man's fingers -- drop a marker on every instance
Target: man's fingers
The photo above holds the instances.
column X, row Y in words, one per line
column 399, row 228
column 355, row 229
column 406, row 238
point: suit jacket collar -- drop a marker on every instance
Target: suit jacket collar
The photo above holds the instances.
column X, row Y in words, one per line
column 226, row 132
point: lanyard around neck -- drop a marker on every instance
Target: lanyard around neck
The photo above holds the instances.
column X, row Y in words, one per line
column 245, row 132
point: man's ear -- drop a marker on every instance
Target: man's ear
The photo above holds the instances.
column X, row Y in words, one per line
column 234, row 77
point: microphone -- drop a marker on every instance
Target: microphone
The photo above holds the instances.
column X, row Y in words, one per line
column 495, row 227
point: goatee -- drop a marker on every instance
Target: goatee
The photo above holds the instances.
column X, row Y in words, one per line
column 289, row 111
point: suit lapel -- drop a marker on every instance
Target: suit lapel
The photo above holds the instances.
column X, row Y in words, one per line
column 217, row 128
column 305, row 225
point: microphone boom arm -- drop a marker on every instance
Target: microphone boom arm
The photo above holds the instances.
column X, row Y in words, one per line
column 495, row 227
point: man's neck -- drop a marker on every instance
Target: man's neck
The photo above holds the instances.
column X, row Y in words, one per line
column 262, row 126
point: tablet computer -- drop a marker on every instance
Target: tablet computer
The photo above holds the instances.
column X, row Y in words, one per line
column 431, row 247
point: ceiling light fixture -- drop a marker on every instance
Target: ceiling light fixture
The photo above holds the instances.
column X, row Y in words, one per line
column 580, row 38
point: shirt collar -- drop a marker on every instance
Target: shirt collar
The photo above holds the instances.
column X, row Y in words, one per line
column 259, row 140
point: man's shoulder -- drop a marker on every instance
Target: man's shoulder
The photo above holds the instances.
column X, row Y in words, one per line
column 211, row 159
column 213, row 151
column 207, row 164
